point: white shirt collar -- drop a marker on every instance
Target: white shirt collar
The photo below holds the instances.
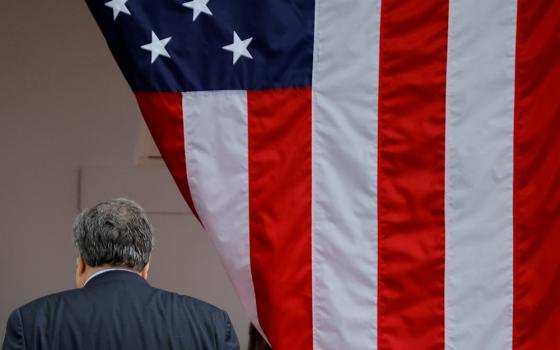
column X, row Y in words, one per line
column 104, row 271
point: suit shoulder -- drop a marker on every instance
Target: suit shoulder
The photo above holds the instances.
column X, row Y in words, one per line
column 49, row 300
column 193, row 303
column 210, row 319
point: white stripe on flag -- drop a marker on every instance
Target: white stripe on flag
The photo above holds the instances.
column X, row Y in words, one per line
column 215, row 125
column 479, row 175
column 344, row 199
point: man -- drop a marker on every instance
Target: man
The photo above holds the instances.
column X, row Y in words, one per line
column 114, row 307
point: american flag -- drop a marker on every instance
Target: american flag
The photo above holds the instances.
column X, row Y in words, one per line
column 375, row 174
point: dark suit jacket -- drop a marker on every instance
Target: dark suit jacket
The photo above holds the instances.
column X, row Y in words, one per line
column 119, row 310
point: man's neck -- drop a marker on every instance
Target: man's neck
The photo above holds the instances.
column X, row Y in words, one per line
column 96, row 271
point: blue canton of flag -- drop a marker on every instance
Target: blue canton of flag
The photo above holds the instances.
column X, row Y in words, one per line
column 202, row 45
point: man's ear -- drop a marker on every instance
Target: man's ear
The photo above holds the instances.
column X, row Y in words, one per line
column 81, row 267
column 145, row 270
column 80, row 272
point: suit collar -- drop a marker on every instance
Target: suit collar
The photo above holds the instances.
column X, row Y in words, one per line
column 111, row 276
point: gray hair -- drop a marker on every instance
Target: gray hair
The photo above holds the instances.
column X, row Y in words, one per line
column 116, row 233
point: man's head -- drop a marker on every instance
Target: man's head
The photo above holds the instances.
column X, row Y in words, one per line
column 113, row 234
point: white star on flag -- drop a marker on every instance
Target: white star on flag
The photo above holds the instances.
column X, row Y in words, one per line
column 118, row 6
column 157, row 47
column 198, row 7
column 239, row 47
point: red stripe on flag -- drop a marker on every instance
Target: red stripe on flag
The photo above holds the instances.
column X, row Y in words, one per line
column 537, row 177
column 280, row 214
column 163, row 113
column 412, row 86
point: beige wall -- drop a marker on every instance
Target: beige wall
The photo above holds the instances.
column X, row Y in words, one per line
column 64, row 106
